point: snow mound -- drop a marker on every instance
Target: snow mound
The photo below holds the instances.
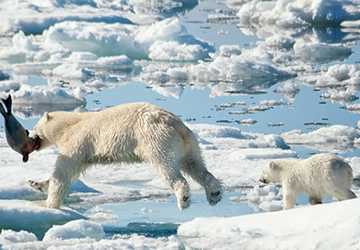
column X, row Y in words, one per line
column 77, row 229
column 320, row 52
column 10, row 236
column 313, row 226
column 24, row 215
column 336, row 137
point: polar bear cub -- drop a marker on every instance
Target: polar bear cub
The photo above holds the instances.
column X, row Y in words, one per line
column 130, row 133
column 317, row 176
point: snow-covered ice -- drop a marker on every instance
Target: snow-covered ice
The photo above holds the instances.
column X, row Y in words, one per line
column 326, row 226
column 29, row 216
column 76, row 229
column 332, row 138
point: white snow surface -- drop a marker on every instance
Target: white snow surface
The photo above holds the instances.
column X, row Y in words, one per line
column 327, row 226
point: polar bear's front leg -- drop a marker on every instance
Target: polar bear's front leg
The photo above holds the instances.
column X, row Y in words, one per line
column 65, row 171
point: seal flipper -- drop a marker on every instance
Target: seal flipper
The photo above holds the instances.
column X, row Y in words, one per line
column 2, row 110
column 25, row 157
column 8, row 104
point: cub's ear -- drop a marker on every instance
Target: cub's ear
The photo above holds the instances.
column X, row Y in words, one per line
column 274, row 166
column 47, row 116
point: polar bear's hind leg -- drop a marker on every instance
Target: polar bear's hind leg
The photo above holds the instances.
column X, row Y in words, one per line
column 195, row 168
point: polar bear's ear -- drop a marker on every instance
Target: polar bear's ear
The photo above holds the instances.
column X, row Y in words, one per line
column 47, row 116
column 274, row 166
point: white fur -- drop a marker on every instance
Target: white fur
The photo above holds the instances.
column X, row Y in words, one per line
column 125, row 133
column 319, row 175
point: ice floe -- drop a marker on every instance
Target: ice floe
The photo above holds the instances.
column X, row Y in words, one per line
column 121, row 39
column 312, row 226
column 320, row 52
column 76, row 229
column 332, row 138
column 295, row 14
column 25, row 215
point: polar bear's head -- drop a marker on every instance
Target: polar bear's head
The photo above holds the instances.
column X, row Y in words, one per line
column 44, row 130
column 272, row 173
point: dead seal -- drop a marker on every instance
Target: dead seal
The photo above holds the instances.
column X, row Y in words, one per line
column 16, row 135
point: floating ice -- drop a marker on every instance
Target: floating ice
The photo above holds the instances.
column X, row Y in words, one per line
column 173, row 51
column 234, row 138
column 248, row 121
column 229, row 50
column 229, row 75
column 76, row 229
column 136, row 42
column 332, row 138
column 73, row 71
column 46, row 96
column 294, row 14
column 288, row 89
column 23, row 215
column 320, row 52
column 8, row 85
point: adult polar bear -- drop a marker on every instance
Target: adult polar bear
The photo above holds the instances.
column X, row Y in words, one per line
column 130, row 133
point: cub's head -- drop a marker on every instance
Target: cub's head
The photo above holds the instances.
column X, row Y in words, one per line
column 272, row 173
column 43, row 131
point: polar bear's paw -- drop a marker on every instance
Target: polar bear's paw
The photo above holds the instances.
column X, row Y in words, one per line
column 182, row 193
column 214, row 192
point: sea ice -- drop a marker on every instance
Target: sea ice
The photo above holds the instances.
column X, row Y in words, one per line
column 76, row 229
column 309, row 226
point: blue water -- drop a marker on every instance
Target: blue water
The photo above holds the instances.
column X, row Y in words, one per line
column 155, row 218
